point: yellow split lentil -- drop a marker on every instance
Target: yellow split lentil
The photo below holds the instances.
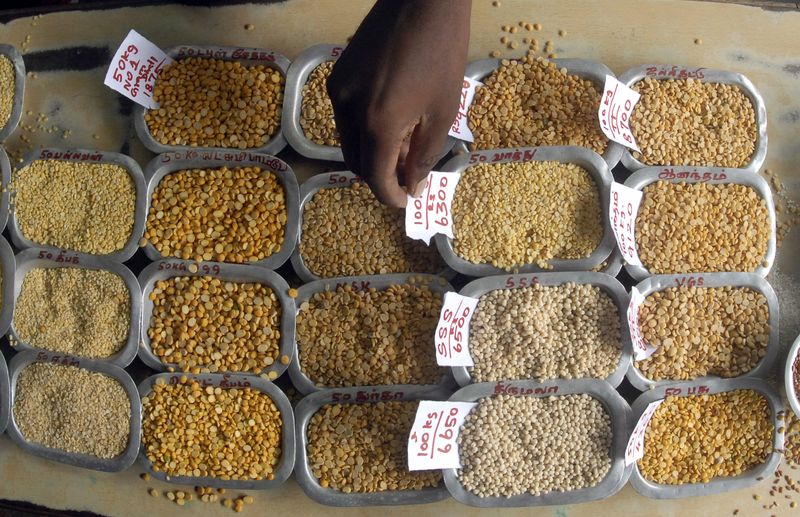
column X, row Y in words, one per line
column 8, row 81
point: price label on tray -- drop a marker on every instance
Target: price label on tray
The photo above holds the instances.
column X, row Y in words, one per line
column 134, row 69
column 622, row 212
column 433, row 441
column 635, row 448
column 460, row 129
column 452, row 331
column 641, row 350
column 615, row 111
column 431, row 213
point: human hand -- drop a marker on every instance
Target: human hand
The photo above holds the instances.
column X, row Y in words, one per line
column 395, row 92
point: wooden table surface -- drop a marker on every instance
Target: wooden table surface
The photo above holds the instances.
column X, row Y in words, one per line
column 68, row 53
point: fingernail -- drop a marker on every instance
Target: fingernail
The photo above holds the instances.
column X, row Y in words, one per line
column 420, row 188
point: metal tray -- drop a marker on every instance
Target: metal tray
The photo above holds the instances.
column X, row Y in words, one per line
column 13, row 55
column 608, row 284
column 705, row 75
column 437, row 284
column 307, row 191
column 716, row 485
column 584, row 158
column 788, row 377
column 358, row 395
column 617, row 409
column 163, row 269
column 9, row 266
column 640, row 179
column 750, row 280
column 89, row 156
column 43, row 258
column 585, row 69
column 5, row 397
column 246, row 56
column 167, row 163
column 86, row 461
column 5, row 194
column 284, row 468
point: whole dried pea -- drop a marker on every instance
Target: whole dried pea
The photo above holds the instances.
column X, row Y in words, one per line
column 697, row 438
column 700, row 331
column 531, row 102
column 518, row 213
column 348, row 337
column 346, row 231
column 316, row 110
column 689, row 122
column 8, row 81
column 511, row 445
column 215, row 103
column 545, row 332
column 362, row 448
column 226, row 215
column 701, row 227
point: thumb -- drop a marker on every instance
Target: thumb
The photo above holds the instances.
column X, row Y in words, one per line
column 425, row 149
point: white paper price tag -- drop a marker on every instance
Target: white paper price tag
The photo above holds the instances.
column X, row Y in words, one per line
column 460, row 129
column 431, row 213
column 433, row 441
column 615, row 112
column 134, row 69
column 452, row 331
column 622, row 213
column 635, row 448
column 641, row 350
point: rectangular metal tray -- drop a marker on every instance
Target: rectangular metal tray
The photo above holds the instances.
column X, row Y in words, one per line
column 618, row 411
column 8, row 263
column 42, row 258
column 583, row 68
column 286, row 464
column 588, row 160
column 359, row 395
column 764, row 367
column 246, row 56
column 89, row 156
column 435, row 283
column 169, row 268
column 13, row 55
column 167, row 163
column 86, row 461
column 608, row 284
column 717, row 485
column 308, row 190
column 5, row 194
column 641, row 178
column 705, row 75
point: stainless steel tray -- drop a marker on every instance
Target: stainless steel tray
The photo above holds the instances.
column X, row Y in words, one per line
column 618, row 410
column 166, row 163
column 584, row 158
column 43, row 258
column 286, row 463
column 717, row 485
column 307, row 191
column 86, row 461
column 358, row 395
column 169, row 268
column 5, row 194
column 585, row 69
column 13, row 55
column 246, row 56
column 89, row 156
column 750, row 280
column 705, row 75
column 9, row 264
column 608, row 284
column 435, row 283
column 5, row 395
column 640, row 179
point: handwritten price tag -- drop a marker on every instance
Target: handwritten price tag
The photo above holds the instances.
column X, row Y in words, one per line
column 134, row 69
column 641, row 350
column 635, row 448
column 430, row 213
column 460, row 129
column 622, row 212
column 433, row 442
column 452, row 331
column 615, row 112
